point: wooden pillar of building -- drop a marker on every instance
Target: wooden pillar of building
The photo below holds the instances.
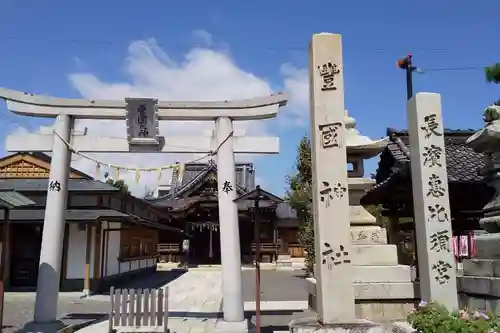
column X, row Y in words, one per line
column 88, row 259
column 6, row 246
column 97, row 256
column 275, row 241
column 64, row 259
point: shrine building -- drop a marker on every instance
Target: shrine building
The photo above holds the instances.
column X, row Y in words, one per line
column 467, row 191
column 191, row 202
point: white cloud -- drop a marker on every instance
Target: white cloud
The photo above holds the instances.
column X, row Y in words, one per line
column 19, row 130
column 296, row 84
column 203, row 74
column 77, row 61
column 203, row 36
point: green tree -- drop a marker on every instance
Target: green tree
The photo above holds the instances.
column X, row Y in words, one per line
column 119, row 184
column 493, row 76
column 299, row 196
column 493, row 73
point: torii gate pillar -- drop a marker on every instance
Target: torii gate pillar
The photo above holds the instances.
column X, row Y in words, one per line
column 49, row 269
column 229, row 229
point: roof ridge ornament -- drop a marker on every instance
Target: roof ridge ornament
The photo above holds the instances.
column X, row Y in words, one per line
column 491, row 113
column 487, row 139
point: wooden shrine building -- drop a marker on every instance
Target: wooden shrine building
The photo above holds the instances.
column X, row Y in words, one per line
column 468, row 192
column 191, row 201
column 109, row 235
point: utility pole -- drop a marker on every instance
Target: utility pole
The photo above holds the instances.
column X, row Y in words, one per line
column 406, row 64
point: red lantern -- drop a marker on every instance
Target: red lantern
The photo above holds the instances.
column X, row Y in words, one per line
column 403, row 63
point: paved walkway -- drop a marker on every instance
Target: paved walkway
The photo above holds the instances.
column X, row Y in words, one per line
column 72, row 309
column 195, row 301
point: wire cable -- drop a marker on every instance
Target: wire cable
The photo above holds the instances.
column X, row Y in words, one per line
column 421, row 70
column 46, row 39
column 137, row 170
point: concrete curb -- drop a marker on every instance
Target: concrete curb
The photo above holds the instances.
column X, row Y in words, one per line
column 218, row 268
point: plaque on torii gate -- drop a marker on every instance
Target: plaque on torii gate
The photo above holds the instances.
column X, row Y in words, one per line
column 223, row 144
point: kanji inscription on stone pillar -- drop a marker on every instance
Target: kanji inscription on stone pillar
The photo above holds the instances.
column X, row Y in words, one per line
column 335, row 293
column 431, row 200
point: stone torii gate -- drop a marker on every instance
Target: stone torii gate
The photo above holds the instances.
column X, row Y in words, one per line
column 143, row 137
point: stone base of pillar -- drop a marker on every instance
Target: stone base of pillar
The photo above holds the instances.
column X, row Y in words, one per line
column 51, row 327
column 223, row 326
column 312, row 325
column 284, row 261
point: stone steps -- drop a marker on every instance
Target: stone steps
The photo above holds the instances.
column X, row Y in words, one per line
column 374, row 255
column 378, row 290
column 377, row 274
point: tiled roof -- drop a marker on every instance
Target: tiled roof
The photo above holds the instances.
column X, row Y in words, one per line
column 176, row 205
column 194, row 174
column 463, row 163
column 34, row 185
column 74, row 215
column 245, row 175
column 82, row 215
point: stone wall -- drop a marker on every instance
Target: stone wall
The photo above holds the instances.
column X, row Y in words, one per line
column 379, row 302
column 479, row 287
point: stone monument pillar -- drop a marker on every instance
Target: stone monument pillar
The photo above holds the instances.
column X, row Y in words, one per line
column 329, row 173
column 431, row 202
column 331, row 212
column 479, row 285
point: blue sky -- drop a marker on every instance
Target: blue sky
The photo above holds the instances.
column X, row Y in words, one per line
column 44, row 44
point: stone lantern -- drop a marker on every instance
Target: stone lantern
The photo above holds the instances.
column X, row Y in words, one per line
column 359, row 149
column 478, row 285
column 487, row 141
